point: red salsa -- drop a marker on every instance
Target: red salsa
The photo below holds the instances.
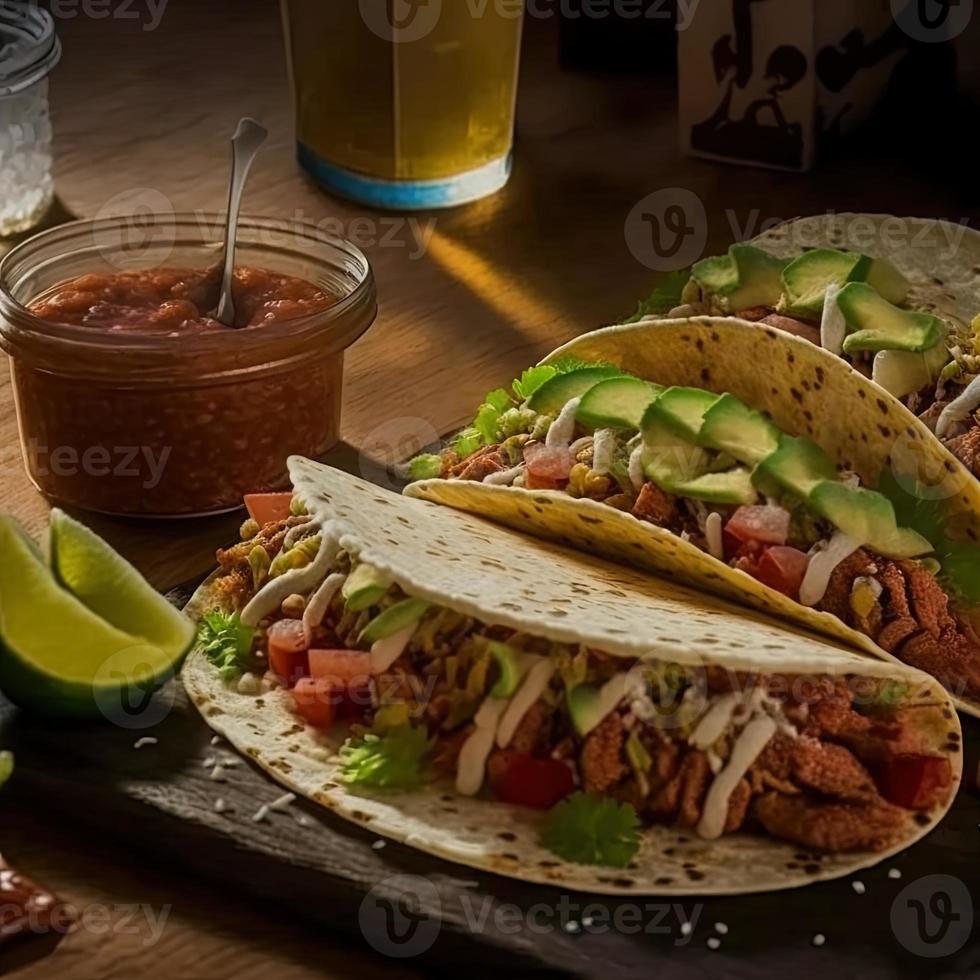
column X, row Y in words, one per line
column 178, row 301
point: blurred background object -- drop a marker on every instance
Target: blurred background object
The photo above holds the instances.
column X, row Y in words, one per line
column 405, row 108
column 776, row 84
column 29, row 49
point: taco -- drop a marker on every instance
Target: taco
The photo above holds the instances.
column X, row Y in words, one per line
column 744, row 461
column 897, row 298
column 534, row 712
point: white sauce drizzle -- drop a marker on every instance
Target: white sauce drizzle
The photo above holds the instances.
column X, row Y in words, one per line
column 535, row 681
column 714, row 721
column 959, row 409
column 317, row 607
column 752, row 740
column 472, row 763
column 385, row 652
column 821, row 566
column 560, row 431
column 637, row 475
column 297, row 531
column 713, row 534
column 297, row 581
column 833, row 326
column 604, row 451
column 505, row 477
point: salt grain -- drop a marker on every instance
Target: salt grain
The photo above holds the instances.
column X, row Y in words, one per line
column 686, row 928
column 894, row 873
column 858, row 887
column 282, row 802
column 217, row 774
column 216, row 740
column 819, row 939
column 220, row 806
column 260, row 814
column 147, row 740
column 572, row 926
column 721, row 928
column 379, row 844
column 714, row 942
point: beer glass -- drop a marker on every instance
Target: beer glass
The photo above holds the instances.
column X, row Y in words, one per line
column 405, row 104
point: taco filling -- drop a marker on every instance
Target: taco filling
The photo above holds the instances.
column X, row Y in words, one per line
column 862, row 309
column 720, row 475
column 604, row 743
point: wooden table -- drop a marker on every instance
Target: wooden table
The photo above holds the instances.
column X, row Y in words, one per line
column 499, row 283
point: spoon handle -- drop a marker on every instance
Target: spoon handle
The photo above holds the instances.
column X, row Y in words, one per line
column 245, row 146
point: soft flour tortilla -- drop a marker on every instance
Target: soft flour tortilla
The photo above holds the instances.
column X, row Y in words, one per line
column 502, row 578
column 805, row 390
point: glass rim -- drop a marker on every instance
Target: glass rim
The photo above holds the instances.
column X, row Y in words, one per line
column 20, row 326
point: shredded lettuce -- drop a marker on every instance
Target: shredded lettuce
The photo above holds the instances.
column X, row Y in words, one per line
column 6, row 766
column 386, row 757
column 532, row 379
column 587, row 828
column 425, row 467
column 664, row 297
column 226, row 642
column 467, row 442
column 926, row 514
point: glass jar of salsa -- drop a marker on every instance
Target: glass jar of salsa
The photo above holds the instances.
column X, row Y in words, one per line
column 132, row 400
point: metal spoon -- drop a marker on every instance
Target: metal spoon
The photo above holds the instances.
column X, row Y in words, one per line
column 245, row 146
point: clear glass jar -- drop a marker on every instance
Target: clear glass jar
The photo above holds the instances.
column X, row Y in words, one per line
column 161, row 425
column 29, row 49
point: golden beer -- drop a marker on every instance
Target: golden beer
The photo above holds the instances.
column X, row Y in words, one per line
column 405, row 103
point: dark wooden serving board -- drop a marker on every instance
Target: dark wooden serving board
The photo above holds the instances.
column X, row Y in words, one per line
column 160, row 800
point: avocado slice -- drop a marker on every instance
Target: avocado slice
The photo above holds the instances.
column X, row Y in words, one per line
column 798, row 465
column 397, row 617
column 869, row 518
column 747, row 276
column 887, row 281
column 556, row 393
column 806, row 279
column 364, row 587
column 733, row 486
column 682, row 410
column 588, row 705
column 618, row 403
column 510, row 663
column 731, row 426
column 902, row 372
column 875, row 324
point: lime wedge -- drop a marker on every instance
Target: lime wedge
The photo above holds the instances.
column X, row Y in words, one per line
column 57, row 657
column 105, row 582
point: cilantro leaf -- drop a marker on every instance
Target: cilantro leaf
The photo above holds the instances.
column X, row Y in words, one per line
column 226, row 641
column 532, row 379
column 926, row 513
column 664, row 297
column 390, row 760
column 591, row 829
column 428, row 466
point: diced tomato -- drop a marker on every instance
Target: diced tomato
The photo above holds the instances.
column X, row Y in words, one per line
column 344, row 668
column 547, row 468
column 287, row 650
column 782, row 568
column 264, row 508
column 915, row 782
column 533, row 782
column 763, row 523
column 317, row 701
